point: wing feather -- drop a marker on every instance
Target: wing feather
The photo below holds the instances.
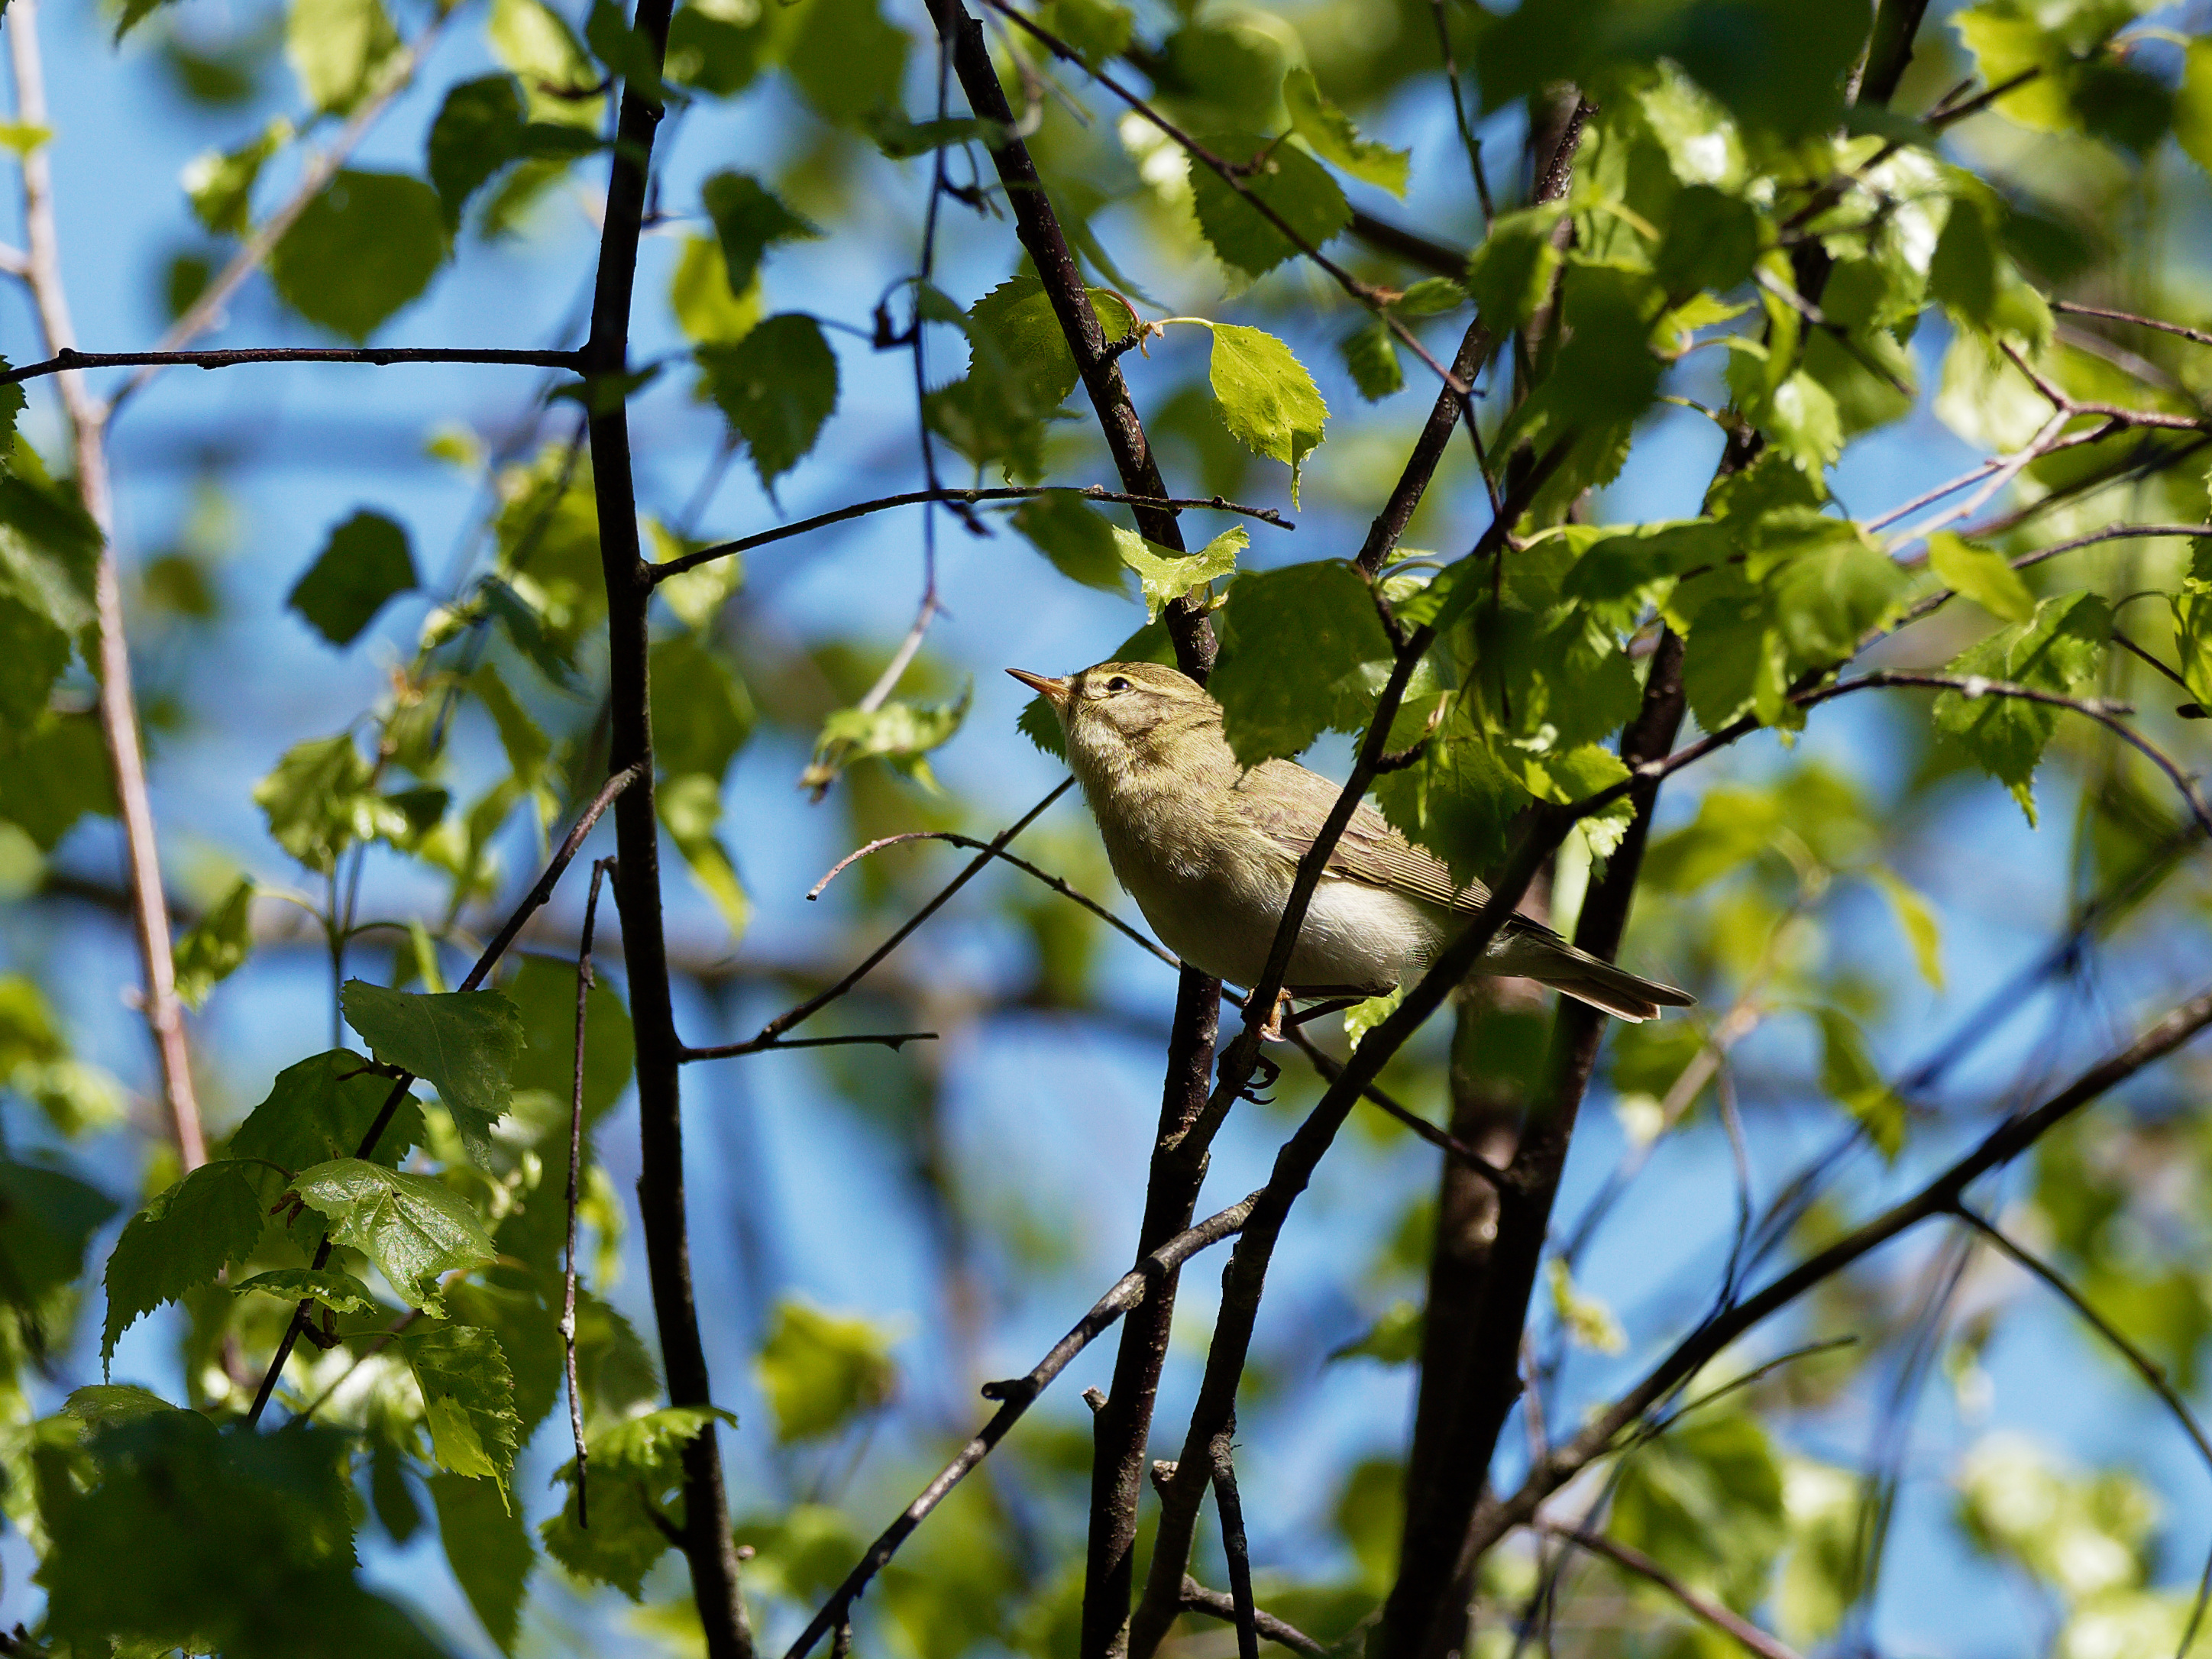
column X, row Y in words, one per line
column 1294, row 803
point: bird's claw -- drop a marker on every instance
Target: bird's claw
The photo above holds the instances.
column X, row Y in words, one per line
column 1268, row 1072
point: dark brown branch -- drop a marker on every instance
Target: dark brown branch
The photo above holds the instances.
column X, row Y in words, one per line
column 1130, row 1290
column 707, row 1543
column 1234, row 1547
column 2159, row 322
column 1294, row 1162
column 892, row 1040
column 1941, row 1196
column 1197, row 1598
column 1266, row 515
column 768, row 1034
column 575, row 1166
column 382, row 357
column 1703, row 1607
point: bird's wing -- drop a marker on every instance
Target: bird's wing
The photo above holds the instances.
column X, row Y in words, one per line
column 1291, row 808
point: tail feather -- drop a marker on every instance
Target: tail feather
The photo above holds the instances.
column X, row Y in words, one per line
column 1552, row 961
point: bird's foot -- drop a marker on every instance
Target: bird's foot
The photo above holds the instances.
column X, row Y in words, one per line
column 1268, row 1073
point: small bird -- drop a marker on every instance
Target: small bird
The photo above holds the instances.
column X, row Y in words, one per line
column 1209, row 848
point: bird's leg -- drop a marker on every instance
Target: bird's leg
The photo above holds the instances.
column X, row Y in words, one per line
column 1273, row 1031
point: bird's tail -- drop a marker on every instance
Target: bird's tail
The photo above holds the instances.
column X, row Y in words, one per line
column 1550, row 960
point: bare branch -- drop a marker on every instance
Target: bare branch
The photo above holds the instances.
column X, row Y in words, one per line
column 1197, row 1598
column 892, row 1040
column 576, row 1164
column 2079, row 310
column 768, row 1034
column 118, row 704
column 1940, row 1196
column 1234, row 1545
column 1130, row 1290
column 65, row 360
column 1703, row 1607
column 662, row 571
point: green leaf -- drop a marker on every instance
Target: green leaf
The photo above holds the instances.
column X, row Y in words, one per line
column 463, row 1043
column 631, row 56
column 534, row 44
column 47, row 1221
column 716, row 49
column 339, row 1292
column 1712, row 238
column 1370, row 356
column 414, row 1229
column 701, row 715
column 900, row 734
column 1266, row 399
column 543, row 992
column 1017, row 345
column 1302, row 652
column 1976, row 281
column 699, row 293
column 1705, row 1501
column 1982, row 574
column 635, row 1467
column 365, row 248
column 1849, row 1073
column 1916, row 921
column 220, row 185
column 749, row 221
column 1363, row 1017
column 522, row 1305
column 176, row 1534
column 2056, row 650
column 55, row 771
column 468, row 1401
column 1099, row 30
column 696, row 595
column 1458, row 798
column 1166, row 576
column 339, row 49
column 477, row 132
column 2192, row 106
column 1511, row 273
column 1334, row 138
column 1294, row 186
column 217, row 945
column 1587, row 1322
column 1394, row 1339
column 690, row 807
column 845, row 59
column 775, row 387
column 209, row 1220
column 365, row 564
column 819, row 1370
column 527, row 745
column 1079, row 541
column 489, row 1548
column 319, row 1109
column 100, row 1404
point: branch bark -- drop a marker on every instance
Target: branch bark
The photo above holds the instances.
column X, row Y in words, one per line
column 119, row 708
column 706, row 1529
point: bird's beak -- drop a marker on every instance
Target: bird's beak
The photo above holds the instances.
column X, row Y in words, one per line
column 1052, row 692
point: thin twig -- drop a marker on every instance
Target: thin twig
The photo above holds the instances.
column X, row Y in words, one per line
column 892, row 1040
column 1235, row 1548
column 205, row 312
column 599, row 869
column 1018, row 1394
column 1197, row 1598
column 117, row 703
column 63, row 361
column 2159, row 323
column 1601, row 1433
column 2153, row 1374
column 662, row 571
column 767, row 1036
column 1721, row 1618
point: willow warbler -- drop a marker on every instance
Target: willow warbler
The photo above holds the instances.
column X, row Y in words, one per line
column 1209, row 850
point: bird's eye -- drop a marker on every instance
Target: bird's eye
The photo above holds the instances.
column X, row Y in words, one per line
column 1117, row 683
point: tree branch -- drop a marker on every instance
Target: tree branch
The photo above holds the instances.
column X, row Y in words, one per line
column 118, row 705
column 1132, row 1290
column 1940, row 1196
column 1703, row 1607
column 662, row 571
column 1234, row 1545
column 575, row 1165
column 706, row 1529
column 1196, row 1598
column 2077, row 310
column 65, row 360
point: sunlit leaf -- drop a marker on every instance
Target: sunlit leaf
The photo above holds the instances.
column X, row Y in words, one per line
column 462, row 1042
column 414, row 1229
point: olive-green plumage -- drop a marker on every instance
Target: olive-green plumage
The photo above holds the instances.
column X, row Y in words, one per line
column 1208, row 849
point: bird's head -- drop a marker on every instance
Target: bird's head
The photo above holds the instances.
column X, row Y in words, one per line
column 1133, row 722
